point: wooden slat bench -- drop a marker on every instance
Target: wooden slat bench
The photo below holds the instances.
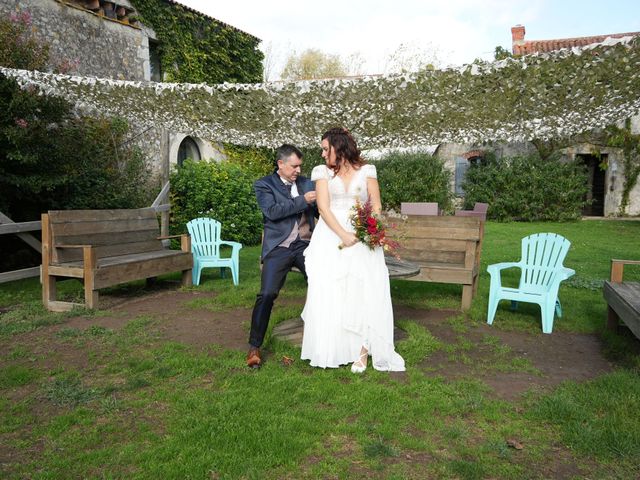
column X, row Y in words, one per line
column 623, row 298
column 104, row 248
column 447, row 248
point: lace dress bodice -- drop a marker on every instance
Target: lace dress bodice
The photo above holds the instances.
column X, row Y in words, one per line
column 343, row 196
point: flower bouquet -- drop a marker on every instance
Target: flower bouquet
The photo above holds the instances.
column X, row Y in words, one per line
column 370, row 229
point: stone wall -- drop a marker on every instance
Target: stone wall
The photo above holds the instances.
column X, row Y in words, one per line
column 94, row 45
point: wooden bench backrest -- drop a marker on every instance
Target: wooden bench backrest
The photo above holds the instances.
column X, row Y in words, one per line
column 112, row 232
column 440, row 239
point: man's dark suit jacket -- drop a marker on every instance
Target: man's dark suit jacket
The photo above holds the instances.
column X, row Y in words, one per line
column 280, row 211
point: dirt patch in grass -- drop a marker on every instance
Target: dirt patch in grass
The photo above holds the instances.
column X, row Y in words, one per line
column 510, row 363
column 175, row 320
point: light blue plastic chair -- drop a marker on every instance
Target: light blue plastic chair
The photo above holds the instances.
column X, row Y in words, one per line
column 205, row 246
column 541, row 273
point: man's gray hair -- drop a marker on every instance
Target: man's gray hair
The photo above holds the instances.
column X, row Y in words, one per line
column 285, row 150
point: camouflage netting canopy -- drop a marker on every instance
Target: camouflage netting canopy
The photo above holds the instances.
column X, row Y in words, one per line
column 541, row 96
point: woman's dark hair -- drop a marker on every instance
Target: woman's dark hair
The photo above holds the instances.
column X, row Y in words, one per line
column 345, row 147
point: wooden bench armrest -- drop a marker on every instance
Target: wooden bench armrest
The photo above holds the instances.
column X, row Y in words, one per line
column 617, row 268
column 167, row 237
column 185, row 240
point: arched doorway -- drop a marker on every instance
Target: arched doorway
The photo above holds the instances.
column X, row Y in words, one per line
column 595, row 183
column 188, row 149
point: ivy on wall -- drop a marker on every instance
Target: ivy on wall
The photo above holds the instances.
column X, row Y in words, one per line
column 195, row 48
column 630, row 145
column 544, row 96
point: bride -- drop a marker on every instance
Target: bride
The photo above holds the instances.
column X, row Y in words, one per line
column 348, row 314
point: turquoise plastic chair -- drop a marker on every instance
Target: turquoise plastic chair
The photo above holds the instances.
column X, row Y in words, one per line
column 205, row 246
column 541, row 273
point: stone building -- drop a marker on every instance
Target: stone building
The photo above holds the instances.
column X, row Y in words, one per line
column 104, row 39
column 605, row 185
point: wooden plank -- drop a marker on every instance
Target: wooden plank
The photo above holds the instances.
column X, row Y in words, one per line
column 90, row 263
column 163, row 192
column 442, row 221
column 108, row 238
column 121, row 273
column 25, row 237
column 6, row 228
column 439, row 232
column 75, row 254
column 48, row 281
column 115, row 226
column 137, row 257
column 436, row 244
column 73, row 271
column 426, row 257
column 19, row 274
column 67, row 216
column 624, row 299
column 164, row 208
column 444, row 275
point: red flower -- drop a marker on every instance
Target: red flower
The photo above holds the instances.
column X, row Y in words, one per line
column 370, row 229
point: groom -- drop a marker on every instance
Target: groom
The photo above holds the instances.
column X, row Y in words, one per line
column 287, row 201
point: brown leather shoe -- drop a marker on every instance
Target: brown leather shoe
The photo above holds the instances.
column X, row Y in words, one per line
column 253, row 358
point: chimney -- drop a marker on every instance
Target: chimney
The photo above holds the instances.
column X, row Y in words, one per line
column 517, row 35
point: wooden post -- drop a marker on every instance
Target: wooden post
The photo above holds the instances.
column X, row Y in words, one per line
column 617, row 269
column 185, row 246
column 164, row 174
column 90, row 264
column 467, row 296
column 48, row 281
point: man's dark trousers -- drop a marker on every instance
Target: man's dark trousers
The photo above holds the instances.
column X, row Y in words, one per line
column 275, row 267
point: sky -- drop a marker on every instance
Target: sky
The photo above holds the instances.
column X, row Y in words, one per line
column 450, row 32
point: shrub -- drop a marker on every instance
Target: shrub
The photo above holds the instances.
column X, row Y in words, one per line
column 527, row 188
column 20, row 49
column 261, row 161
column 256, row 161
column 53, row 159
column 220, row 190
column 413, row 177
column 311, row 157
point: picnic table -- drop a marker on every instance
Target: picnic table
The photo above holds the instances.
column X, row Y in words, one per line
column 292, row 329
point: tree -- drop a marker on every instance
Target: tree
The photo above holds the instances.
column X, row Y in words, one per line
column 411, row 58
column 501, row 53
column 313, row 63
column 50, row 156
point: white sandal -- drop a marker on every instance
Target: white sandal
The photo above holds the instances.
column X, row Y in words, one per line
column 360, row 365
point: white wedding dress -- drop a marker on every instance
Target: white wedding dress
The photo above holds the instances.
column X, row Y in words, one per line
column 348, row 299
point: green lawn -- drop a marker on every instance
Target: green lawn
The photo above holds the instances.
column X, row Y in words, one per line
column 131, row 405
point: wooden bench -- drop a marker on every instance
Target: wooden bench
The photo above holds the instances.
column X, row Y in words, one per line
column 447, row 249
column 104, row 248
column 623, row 298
